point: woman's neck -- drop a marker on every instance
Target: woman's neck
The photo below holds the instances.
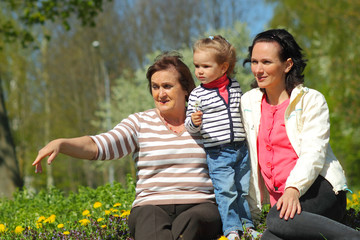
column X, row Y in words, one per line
column 176, row 119
column 276, row 96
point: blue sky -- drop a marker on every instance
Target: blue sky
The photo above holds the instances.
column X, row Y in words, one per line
column 258, row 16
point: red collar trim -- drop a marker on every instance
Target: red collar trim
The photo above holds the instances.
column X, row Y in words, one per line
column 218, row 83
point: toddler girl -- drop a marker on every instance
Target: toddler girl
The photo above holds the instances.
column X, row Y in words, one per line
column 214, row 111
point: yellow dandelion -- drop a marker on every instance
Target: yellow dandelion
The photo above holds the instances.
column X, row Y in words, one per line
column 97, row 204
column 60, row 225
column 117, row 205
column 125, row 213
column 103, row 226
column 66, row 233
column 19, row 229
column 85, row 212
column 2, row 228
column 114, row 210
column 51, row 219
column 40, row 219
column 39, row 225
column 116, row 215
column 100, row 219
column 84, row 222
column 107, row 212
column 354, row 196
column 223, row 238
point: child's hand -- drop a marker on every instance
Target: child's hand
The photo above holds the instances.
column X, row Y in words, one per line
column 196, row 118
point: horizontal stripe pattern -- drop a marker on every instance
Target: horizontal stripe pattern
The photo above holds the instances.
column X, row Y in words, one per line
column 171, row 169
column 221, row 122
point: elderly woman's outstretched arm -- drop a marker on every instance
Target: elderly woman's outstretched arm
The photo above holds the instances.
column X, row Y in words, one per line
column 80, row 147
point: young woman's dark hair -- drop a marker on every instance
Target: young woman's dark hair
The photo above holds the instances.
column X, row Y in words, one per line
column 168, row 60
column 289, row 49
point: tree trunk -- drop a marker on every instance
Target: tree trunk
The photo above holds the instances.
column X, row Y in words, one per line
column 10, row 177
column 45, row 76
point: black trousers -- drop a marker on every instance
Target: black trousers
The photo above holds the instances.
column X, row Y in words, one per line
column 173, row 222
column 321, row 211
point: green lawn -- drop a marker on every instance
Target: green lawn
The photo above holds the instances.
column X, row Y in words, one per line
column 89, row 214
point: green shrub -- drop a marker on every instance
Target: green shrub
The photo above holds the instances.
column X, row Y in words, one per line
column 89, row 214
column 99, row 213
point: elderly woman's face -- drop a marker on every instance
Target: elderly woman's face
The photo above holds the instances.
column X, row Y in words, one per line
column 167, row 91
column 267, row 67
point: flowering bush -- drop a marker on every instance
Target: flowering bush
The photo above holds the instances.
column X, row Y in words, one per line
column 352, row 217
column 354, row 201
column 91, row 214
column 109, row 227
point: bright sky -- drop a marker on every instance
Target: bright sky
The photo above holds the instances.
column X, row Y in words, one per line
column 258, row 16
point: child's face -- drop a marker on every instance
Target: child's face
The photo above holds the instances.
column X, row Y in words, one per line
column 206, row 68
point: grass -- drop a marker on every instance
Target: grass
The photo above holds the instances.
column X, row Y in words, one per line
column 90, row 214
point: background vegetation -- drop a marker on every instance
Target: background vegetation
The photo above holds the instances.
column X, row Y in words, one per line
column 100, row 213
column 55, row 87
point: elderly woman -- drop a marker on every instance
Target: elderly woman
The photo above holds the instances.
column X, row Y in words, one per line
column 174, row 194
column 288, row 130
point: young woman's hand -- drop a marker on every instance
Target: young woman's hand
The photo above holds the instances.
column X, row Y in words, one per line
column 289, row 203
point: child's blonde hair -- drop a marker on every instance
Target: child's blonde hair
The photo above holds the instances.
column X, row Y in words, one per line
column 224, row 51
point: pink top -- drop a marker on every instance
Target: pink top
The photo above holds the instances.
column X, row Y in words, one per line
column 276, row 155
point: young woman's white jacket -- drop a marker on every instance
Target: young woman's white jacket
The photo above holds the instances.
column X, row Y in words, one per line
column 308, row 128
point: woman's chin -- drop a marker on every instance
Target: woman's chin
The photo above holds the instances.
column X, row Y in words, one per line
column 163, row 108
column 262, row 85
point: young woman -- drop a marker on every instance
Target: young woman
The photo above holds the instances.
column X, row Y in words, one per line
column 288, row 130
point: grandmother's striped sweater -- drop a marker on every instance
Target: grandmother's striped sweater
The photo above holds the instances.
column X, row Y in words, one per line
column 171, row 168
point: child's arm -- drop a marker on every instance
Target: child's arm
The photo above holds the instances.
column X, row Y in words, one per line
column 193, row 115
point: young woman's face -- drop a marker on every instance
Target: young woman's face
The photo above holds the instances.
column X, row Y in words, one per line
column 206, row 68
column 268, row 69
column 167, row 92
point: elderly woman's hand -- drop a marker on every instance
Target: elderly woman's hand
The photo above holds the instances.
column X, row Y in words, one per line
column 51, row 150
column 289, row 203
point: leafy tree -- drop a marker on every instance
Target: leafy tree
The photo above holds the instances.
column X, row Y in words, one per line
column 31, row 12
column 16, row 20
column 328, row 31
